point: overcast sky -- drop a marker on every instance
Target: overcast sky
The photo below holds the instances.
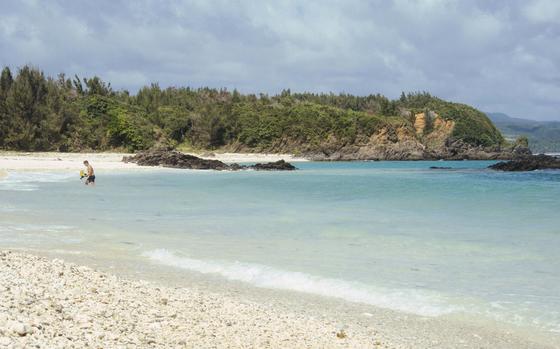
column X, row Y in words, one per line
column 496, row 55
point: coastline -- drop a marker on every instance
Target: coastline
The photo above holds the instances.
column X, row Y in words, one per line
column 50, row 300
column 53, row 161
column 313, row 319
column 56, row 304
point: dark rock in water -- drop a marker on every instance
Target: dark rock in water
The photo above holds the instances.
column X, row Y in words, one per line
column 237, row 167
column 175, row 159
column 529, row 163
column 440, row 168
column 279, row 165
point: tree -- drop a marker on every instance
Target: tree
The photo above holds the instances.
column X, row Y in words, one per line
column 25, row 105
column 149, row 97
column 43, row 113
column 236, row 96
column 78, row 85
column 6, row 81
column 96, row 86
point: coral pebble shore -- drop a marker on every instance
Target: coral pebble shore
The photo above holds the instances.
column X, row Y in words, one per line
column 54, row 304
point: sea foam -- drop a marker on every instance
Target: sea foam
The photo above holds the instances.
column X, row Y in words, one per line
column 406, row 300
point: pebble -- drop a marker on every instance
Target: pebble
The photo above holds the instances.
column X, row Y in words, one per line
column 55, row 304
column 20, row 328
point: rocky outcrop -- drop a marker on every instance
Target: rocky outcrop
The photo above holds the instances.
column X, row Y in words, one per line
column 422, row 136
column 175, row 159
column 459, row 150
column 404, row 145
column 279, row 165
column 529, row 163
column 441, row 131
column 429, row 137
column 420, row 123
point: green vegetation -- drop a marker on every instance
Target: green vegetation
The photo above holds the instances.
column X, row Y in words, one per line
column 471, row 125
column 39, row 113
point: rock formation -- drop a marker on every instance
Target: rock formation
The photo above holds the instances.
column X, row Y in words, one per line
column 279, row 165
column 430, row 138
column 528, row 163
column 175, row 159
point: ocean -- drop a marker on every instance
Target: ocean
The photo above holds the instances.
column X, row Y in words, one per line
column 397, row 235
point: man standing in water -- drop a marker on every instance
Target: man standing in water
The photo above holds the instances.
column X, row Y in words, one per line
column 90, row 174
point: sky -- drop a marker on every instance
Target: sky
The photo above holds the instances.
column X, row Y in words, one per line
column 499, row 56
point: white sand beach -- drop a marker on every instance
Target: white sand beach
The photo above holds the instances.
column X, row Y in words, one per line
column 110, row 161
column 250, row 157
column 50, row 303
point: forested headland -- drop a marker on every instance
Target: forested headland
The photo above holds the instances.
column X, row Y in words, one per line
column 74, row 114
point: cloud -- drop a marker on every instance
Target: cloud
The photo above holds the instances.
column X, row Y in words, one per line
column 498, row 56
column 543, row 11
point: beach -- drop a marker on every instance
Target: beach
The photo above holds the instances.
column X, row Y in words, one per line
column 111, row 161
column 180, row 264
column 53, row 304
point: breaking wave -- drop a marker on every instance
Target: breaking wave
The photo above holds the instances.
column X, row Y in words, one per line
column 407, row 300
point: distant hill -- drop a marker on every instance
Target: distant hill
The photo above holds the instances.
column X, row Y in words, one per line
column 42, row 113
column 544, row 136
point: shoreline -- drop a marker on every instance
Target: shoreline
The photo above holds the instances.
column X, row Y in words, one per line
column 270, row 318
column 393, row 329
column 55, row 303
column 57, row 161
column 53, row 161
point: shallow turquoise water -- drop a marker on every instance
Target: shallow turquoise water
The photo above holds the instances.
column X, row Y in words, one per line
column 391, row 234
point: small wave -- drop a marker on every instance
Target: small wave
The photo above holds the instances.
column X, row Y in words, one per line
column 50, row 228
column 420, row 302
column 29, row 181
column 37, row 233
column 406, row 300
column 53, row 251
column 9, row 208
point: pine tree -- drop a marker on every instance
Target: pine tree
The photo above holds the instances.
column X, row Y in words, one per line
column 26, row 107
column 6, row 81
